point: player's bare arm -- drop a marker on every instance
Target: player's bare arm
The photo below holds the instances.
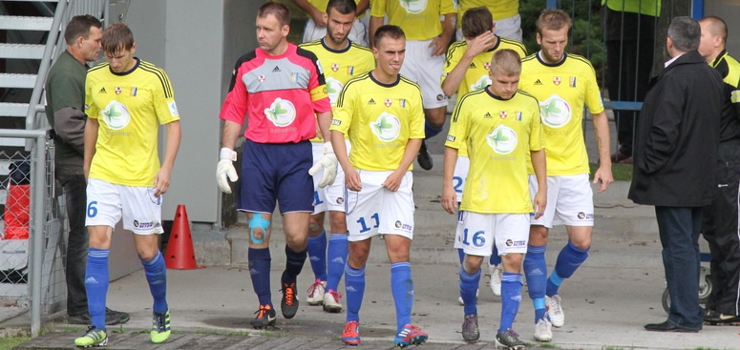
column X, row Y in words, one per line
column 540, row 170
column 351, row 176
column 162, row 180
column 91, row 138
column 449, row 197
column 476, row 45
column 603, row 175
column 441, row 42
column 393, row 181
column 318, row 16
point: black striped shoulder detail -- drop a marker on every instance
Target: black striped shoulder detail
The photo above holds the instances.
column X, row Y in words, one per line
column 514, row 43
column 99, row 67
column 524, row 93
column 411, row 82
column 161, row 75
column 355, row 80
column 581, row 59
column 360, row 47
column 529, row 57
column 471, row 94
column 457, row 45
column 305, row 45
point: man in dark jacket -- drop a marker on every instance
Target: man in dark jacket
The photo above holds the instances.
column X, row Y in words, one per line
column 675, row 161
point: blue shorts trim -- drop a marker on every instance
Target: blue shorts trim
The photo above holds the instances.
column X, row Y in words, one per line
column 276, row 172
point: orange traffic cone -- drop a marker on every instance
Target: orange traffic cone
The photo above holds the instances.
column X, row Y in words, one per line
column 180, row 254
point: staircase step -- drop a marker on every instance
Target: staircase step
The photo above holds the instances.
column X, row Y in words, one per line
column 25, row 23
column 8, row 109
column 14, row 80
column 21, row 51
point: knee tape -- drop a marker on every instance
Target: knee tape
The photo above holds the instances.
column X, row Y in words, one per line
column 257, row 221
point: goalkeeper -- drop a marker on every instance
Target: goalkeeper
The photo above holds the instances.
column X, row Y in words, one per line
column 277, row 88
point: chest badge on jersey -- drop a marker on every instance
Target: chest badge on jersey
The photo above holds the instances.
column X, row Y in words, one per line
column 413, row 6
column 116, row 115
column 502, row 140
column 334, row 67
column 487, row 65
column 261, row 78
column 281, row 112
column 118, row 90
column 388, row 102
column 572, row 81
column 556, row 81
column 386, row 127
column 502, row 114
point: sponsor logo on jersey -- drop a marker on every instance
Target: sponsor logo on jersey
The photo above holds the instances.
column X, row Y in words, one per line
column 555, row 111
column 502, row 140
column 102, row 91
column 450, row 138
column 371, row 102
column 336, row 122
column 115, row 115
column 386, row 127
column 281, row 112
column 173, row 109
column 487, row 116
column 537, row 82
column 277, row 69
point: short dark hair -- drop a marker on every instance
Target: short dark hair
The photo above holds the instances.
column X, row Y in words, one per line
column 476, row 21
column 80, row 26
column 552, row 20
column 388, row 30
column 718, row 26
column 117, row 37
column 507, row 62
column 276, row 9
column 685, row 33
column 344, row 7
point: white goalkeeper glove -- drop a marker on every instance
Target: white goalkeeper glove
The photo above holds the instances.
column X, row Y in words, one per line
column 226, row 169
column 329, row 163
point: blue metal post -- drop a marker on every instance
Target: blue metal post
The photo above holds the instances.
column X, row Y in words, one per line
column 697, row 9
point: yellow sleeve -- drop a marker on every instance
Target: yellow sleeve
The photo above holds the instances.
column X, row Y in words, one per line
column 164, row 101
column 447, row 6
column 90, row 109
column 536, row 136
column 458, row 127
column 417, row 117
column 343, row 111
column 593, row 95
column 451, row 60
column 378, row 8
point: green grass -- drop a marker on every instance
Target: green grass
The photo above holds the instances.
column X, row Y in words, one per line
column 7, row 343
column 620, row 172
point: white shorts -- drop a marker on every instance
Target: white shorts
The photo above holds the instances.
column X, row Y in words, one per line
column 476, row 233
column 329, row 198
column 375, row 210
column 510, row 28
column 460, row 176
column 570, row 201
column 357, row 35
column 424, row 69
column 107, row 203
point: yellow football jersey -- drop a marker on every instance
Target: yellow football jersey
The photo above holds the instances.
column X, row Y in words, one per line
column 419, row 19
column 499, row 135
column 500, row 9
column 476, row 77
column 129, row 108
column 562, row 90
column 379, row 119
column 339, row 67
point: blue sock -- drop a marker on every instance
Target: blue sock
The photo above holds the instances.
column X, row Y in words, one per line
column 96, row 284
column 431, row 131
column 495, row 259
column 259, row 269
column 569, row 260
column 338, row 250
column 402, row 288
column 293, row 265
column 354, row 281
column 317, row 255
column 156, row 275
column 468, row 288
column 511, row 297
column 535, row 268
column 461, row 255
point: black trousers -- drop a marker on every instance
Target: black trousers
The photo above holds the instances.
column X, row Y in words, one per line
column 722, row 232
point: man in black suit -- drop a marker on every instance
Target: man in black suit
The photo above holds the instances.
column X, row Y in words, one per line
column 675, row 157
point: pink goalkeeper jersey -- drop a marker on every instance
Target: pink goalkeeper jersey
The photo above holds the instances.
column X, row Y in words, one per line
column 278, row 94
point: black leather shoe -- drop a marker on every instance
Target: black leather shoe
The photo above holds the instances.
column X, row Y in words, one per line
column 669, row 327
column 111, row 318
column 425, row 158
